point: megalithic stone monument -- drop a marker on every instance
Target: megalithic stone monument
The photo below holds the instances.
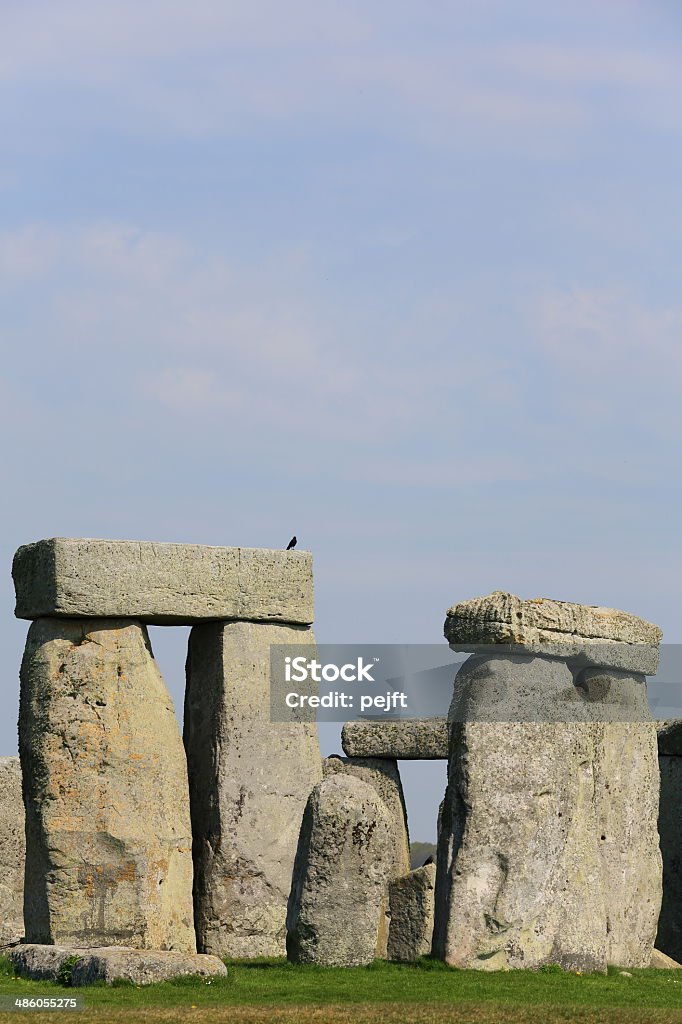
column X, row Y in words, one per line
column 548, row 849
column 108, row 837
column 105, row 774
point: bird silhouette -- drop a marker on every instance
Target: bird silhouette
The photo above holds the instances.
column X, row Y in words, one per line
column 292, row 544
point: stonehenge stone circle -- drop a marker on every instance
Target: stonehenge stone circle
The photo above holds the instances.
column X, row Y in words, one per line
column 243, row 842
column 415, row 739
column 250, row 780
column 108, row 837
column 12, row 852
column 548, row 850
column 669, row 937
column 166, row 584
column 337, row 907
column 411, row 906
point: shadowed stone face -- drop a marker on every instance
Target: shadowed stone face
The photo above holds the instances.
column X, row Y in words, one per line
column 108, row 858
column 548, row 850
column 669, row 938
column 411, row 900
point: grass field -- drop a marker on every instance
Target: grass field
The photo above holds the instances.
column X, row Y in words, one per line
column 264, row 992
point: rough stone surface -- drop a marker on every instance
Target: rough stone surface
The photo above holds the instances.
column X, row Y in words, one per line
column 548, row 850
column 670, row 737
column 669, row 938
column 108, row 857
column 662, row 962
column 601, row 636
column 338, row 898
column 416, row 739
column 12, row 852
column 112, row 963
column 250, row 779
column 411, row 904
column 161, row 583
column 383, row 774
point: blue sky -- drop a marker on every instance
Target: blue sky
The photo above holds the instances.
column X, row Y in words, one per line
column 401, row 278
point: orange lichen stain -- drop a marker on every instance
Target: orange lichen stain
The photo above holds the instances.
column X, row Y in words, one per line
column 94, row 878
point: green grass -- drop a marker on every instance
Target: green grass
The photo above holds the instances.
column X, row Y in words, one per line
column 426, row 991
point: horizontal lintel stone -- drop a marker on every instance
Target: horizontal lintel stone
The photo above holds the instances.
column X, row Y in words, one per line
column 161, row 583
column 588, row 634
column 412, row 739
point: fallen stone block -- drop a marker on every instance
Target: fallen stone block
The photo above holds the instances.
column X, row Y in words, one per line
column 661, row 962
column 603, row 637
column 108, row 835
column 416, row 739
column 167, row 584
column 111, row 963
column 250, row 779
column 338, row 898
column 12, row 852
column 411, row 907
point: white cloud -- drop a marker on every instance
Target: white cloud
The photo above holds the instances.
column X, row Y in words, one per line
column 164, row 66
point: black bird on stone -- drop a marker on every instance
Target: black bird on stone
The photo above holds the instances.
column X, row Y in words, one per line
column 292, row 544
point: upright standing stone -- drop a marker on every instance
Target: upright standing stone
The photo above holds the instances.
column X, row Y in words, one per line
column 384, row 776
column 411, row 903
column 12, row 852
column 108, row 858
column 250, row 779
column 338, row 898
column 548, row 850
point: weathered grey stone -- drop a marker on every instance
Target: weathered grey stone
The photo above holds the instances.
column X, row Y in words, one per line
column 161, row 583
column 547, row 846
column 670, row 737
column 338, row 898
column 250, row 779
column 411, row 739
column 669, row 937
column 626, row 780
column 383, row 774
column 411, row 904
column 108, row 857
column 112, row 963
column 12, row 852
column 592, row 635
